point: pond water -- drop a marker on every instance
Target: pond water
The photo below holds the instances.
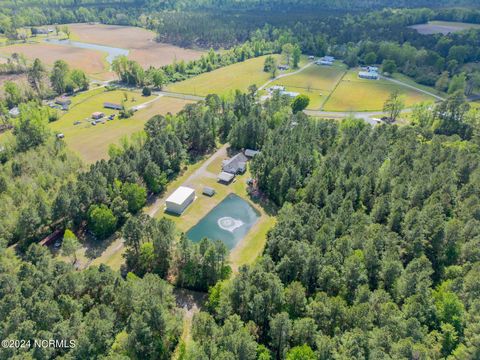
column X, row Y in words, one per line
column 112, row 52
column 229, row 222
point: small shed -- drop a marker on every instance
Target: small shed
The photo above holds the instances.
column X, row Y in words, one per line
column 109, row 105
column 225, row 177
column 97, row 115
column 180, row 199
column 283, row 67
column 251, row 153
column 60, row 136
column 208, row 191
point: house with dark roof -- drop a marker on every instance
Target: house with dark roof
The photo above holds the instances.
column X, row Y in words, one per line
column 235, row 165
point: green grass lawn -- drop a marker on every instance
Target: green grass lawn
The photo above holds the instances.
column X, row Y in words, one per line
column 225, row 80
column 353, row 94
column 92, row 142
column 315, row 81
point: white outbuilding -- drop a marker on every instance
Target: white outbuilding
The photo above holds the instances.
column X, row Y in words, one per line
column 180, row 199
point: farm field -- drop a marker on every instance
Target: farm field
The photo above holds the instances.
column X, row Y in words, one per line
column 225, row 80
column 315, row 81
column 90, row 61
column 443, row 27
column 141, row 43
column 354, row 94
column 92, row 142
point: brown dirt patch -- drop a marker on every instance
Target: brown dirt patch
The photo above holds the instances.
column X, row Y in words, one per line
column 90, row 61
column 141, row 43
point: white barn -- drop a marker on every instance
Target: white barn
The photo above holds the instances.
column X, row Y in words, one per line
column 180, row 199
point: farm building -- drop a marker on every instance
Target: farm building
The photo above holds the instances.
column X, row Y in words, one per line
column 97, row 115
column 372, row 69
column 329, row 58
column 180, row 199
column 283, row 67
column 109, row 105
column 370, row 75
column 276, row 88
column 251, row 153
column 208, row 191
column 236, row 164
column 225, row 177
column 63, row 101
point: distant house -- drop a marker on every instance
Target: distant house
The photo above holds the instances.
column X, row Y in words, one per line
column 14, row 112
column 236, row 164
column 324, row 62
column 251, row 153
column 329, row 58
column 109, row 105
column 208, row 191
column 283, row 67
column 97, row 115
column 372, row 69
column 63, row 101
column 225, row 177
column 180, row 199
column 369, row 75
column 311, row 57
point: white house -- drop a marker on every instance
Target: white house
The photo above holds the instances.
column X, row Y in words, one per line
column 370, row 75
column 180, row 199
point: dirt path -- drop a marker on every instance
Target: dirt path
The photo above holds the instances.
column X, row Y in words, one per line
column 285, row 75
column 398, row 82
column 200, row 172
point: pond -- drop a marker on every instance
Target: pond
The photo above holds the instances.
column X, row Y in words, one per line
column 229, row 222
column 112, row 52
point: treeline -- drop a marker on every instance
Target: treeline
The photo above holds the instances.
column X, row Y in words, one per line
column 95, row 313
column 376, row 240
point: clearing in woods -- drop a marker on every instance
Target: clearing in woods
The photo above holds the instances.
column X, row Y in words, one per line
column 443, row 27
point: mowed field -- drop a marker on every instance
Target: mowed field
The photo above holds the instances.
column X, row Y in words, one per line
column 92, row 142
column 140, row 42
column 355, row 94
column 91, row 61
column 225, row 80
column 315, row 81
column 443, row 27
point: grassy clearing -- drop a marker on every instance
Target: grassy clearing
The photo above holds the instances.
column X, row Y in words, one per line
column 353, row 94
column 92, row 142
column 225, row 80
column 443, row 27
column 315, row 81
column 251, row 246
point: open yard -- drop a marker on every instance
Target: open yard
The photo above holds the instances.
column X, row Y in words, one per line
column 91, row 61
column 225, row 80
column 140, row 42
column 92, row 142
column 443, row 27
column 315, row 81
column 354, row 94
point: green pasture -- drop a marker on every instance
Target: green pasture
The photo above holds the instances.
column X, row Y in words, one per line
column 354, row 94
